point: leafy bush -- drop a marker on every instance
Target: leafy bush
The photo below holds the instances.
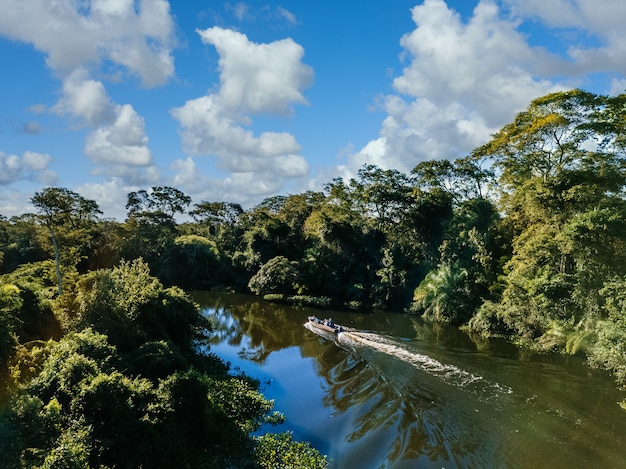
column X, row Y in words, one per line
column 131, row 389
column 82, row 410
column 279, row 451
column 132, row 307
column 278, row 275
column 486, row 321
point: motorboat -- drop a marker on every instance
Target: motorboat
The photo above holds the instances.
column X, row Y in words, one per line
column 327, row 325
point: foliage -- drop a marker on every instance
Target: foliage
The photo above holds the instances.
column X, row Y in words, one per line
column 132, row 307
column 25, row 311
column 609, row 351
column 562, row 172
column 278, row 275
column 159, row 199
column 279, row 451
column 193, row 262
column 10, row 304
column 21, row 242
column 60, row 209
column 442, row 295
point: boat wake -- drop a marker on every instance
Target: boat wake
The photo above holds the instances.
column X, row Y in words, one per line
column 360, row 342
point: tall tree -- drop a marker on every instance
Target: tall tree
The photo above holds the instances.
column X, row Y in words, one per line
column 562, row 169
column 159, row 199
column 151, row 223
column 60, row 208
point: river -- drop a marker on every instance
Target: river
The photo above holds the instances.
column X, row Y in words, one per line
column 398, row 393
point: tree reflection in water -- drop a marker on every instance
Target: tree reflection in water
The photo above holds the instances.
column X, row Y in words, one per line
column 267, row 326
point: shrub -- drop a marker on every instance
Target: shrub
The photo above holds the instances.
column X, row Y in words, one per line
column 278, row 275
column 279, row 451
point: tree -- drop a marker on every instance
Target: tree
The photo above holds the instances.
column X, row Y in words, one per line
column 194, row 262
column 216, row 215
column 278, row 275
column 132, row 307
column 463, row 179
column 151, row 225
column 10, row 306
column 442, row 296
column 160, row 199
column 22, row 241
column 62, row 208
column 562, row 170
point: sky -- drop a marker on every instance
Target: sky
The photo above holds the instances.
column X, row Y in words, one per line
column 239, row 101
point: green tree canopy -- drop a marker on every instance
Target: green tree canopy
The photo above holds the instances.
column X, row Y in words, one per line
column 59, row 209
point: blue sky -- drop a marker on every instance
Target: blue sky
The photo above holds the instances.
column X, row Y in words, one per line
column 238, row 101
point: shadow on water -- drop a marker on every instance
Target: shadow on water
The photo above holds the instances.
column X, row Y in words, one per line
column 397, row 393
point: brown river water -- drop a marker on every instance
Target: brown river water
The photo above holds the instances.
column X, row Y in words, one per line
column 398, row 393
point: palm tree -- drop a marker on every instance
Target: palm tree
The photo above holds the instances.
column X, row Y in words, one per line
column 443, row 293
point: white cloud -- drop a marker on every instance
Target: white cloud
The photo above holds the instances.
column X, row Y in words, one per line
column 32, row 166
column 10, row 168
column 110, row 195
column 258, row 78
column 36, row 161
column 254, row 79
column 135, row 35
column 484, row 64
column 121, row 142
column 15, row 202
column 603, row 17
column 618, row 86
column 602, row 21
column 85, row 98
column 189, row 178
column 117, row 135
column 78, row 38
column 462, row 81
column 287, row 15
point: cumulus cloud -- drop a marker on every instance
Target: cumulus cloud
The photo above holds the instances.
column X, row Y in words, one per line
column 86, row 99
column 463, row 80
column 258, row 78
column 135, row 35
column 15, row 202
column 32, row 166
column 602, row 20
column 618, row 86
column 121, row 142
column 255, row 79
column 118, row 132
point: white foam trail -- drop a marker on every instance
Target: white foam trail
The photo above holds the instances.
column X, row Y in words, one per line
column 448, row 373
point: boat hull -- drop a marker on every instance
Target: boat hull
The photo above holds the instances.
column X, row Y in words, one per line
column 326, row 325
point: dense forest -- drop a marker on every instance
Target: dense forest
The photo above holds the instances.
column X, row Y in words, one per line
column 524, row 238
